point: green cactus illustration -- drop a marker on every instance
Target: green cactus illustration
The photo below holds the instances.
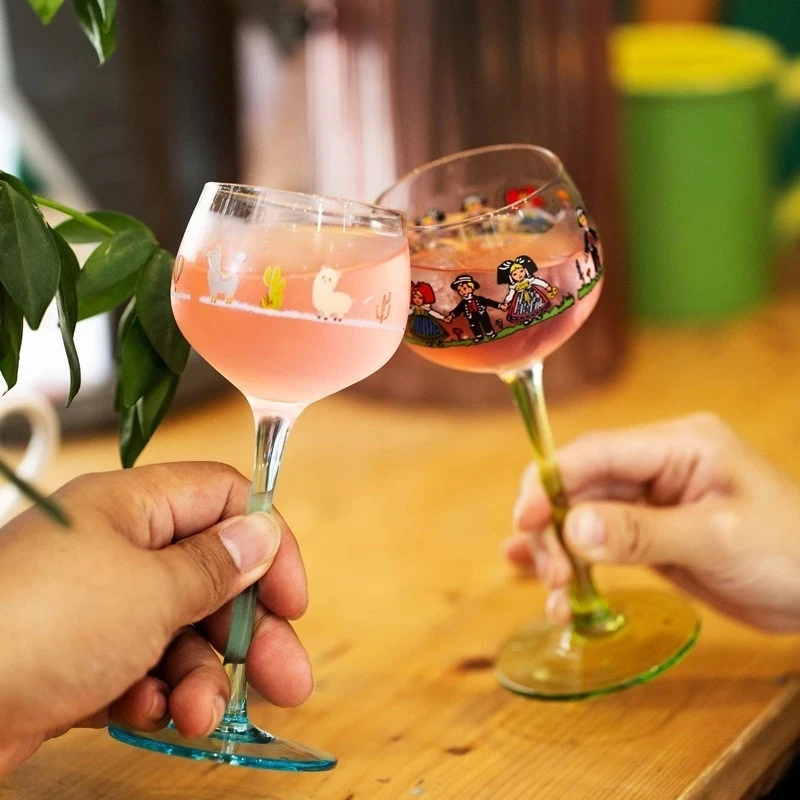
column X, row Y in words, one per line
column 275, row 285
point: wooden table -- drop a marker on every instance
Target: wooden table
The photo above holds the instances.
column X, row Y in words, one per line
column 410, row 597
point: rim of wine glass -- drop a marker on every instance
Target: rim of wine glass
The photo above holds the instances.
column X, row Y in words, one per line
column 555, row 161
column 361, row 209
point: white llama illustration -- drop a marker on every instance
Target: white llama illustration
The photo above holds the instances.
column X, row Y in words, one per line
column 327, row 301
column 220, row 282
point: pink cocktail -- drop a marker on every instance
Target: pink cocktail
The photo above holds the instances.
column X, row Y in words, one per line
column 563, row 290
column 268, row 307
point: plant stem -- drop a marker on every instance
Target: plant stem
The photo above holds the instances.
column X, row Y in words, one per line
column 50, row 508
column 78, row 216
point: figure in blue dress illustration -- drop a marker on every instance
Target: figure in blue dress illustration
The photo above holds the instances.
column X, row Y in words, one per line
column 528, row 296
column 423, row 319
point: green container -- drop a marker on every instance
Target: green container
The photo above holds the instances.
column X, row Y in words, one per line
column 699, row 127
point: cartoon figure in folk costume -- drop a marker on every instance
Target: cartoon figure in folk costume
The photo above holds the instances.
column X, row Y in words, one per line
column 419, row 239
column 423, row 320
column 592, row 266
column 474, row 205
column 433, row 216
column 473, row 308
column 533, row 217
column 565, row 201
column 528, row 296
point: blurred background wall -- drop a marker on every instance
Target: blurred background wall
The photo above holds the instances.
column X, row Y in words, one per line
column 341, row 97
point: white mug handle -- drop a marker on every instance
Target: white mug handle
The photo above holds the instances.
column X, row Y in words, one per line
column 45, row 437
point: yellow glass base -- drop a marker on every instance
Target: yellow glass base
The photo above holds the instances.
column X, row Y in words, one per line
column 555, row 663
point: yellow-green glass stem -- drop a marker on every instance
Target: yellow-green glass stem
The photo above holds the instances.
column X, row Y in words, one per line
column 591, row 614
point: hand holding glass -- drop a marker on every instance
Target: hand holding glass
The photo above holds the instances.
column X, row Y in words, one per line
column 506, row 266
column 292, row 298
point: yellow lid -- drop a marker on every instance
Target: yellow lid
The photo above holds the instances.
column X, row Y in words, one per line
column 676, row 59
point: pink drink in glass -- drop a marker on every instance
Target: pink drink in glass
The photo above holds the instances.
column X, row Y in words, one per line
column 562, row 264
column 268, row 307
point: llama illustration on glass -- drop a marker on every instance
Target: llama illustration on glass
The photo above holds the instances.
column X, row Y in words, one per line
column 221, row 282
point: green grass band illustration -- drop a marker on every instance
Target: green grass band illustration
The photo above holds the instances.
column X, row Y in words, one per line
column 566, row 303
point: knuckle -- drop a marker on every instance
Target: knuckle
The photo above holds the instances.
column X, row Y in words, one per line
column 227, row 472
column 214, row 568
column 591, row 440
column 709, row 423
column 79, row 485
column 635, row 544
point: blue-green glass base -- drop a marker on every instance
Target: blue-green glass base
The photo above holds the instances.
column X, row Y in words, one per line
column 242, row 745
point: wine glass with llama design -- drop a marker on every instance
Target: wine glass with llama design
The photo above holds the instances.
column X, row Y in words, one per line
column 292, row 298
column 506, row 265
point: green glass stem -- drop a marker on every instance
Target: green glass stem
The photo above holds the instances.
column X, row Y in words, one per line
column 272, row 431
column 591, row 613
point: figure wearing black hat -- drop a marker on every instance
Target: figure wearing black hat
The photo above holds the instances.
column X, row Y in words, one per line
column 590, row 240
column 473, row 307
column 529, row 296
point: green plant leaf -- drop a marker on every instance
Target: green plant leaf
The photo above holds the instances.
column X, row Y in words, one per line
column 155, row 404
column 67, row 305
column 45, row 503
column 92, row 19
column 16, row 183
column 140, row 367
column 155, row 311
column 46, row 9
column 76, row 232
column 108, row 10
column 125, row 321
column 114, row 260
column 10, row 338
column 131, row 440
column 29, row 261
column 108, row 300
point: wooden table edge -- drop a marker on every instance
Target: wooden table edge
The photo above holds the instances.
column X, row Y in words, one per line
column 759, row 756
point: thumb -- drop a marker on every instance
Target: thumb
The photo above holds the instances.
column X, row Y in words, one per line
column 637, row 534
column 208, row 569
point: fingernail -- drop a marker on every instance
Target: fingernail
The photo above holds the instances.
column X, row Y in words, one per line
column 252, row 540
column 159, row 707
column 557, row 608
column 586, row 529
column 218, row 706
column 519, row 509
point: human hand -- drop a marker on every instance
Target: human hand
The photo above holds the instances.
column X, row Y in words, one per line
column 114, row 618
column 449, row 318
column 687, row 497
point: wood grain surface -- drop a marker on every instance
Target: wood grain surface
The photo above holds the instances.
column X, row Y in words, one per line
column 409, row 597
